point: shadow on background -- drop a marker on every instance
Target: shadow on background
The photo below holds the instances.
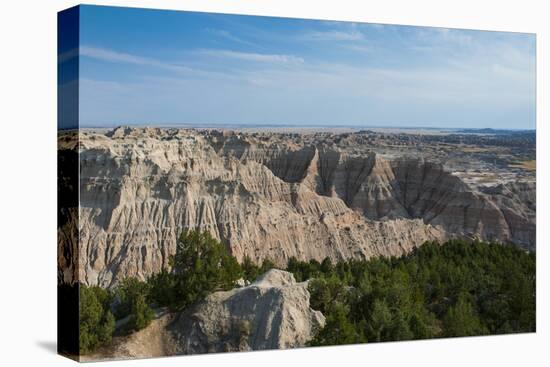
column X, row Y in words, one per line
column 50, row 346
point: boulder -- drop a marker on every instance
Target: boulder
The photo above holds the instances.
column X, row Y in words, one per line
column 271, row 313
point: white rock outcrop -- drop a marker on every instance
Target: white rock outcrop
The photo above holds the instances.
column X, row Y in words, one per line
column 267, row 199
column 139, row 188
column 271, row 313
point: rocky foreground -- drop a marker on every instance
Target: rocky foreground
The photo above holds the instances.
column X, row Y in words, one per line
column 267, row 197
column 271, row 313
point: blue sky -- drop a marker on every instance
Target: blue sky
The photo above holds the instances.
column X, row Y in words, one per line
column 156, row 67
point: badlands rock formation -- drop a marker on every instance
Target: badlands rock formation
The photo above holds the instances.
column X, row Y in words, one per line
column 402, row 188
column 271, row 313
column 267, row 197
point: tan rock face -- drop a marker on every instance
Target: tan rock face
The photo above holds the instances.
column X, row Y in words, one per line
column 271, row 313
column 269, row 200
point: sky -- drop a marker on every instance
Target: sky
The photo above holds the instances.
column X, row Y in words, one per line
column 156, row 67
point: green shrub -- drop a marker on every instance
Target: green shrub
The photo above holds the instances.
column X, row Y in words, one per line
column 162, row 288
column 461, row 319
column 250, row 270
column 131, row 301
column 267, row 265
column 201, row 265
column 338, row 329
column 455, row 289
column 97, row 323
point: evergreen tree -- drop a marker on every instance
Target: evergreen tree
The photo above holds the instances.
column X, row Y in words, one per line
column 458, row 288
column 131, row 301
column 97, row 323
column 462, row 319
column 201, row 265
column 251, row 271
column 338, row 329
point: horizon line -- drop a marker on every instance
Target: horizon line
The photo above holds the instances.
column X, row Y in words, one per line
column 246, row 125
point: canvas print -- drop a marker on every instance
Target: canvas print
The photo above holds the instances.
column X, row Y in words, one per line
column 232, row 183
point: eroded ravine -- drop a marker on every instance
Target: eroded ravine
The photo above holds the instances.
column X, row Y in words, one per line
column 267, row 200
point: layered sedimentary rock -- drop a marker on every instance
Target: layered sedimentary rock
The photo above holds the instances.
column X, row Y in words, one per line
column 271, row 313
column 517, row 203
column 270, row 199
column 402, row 188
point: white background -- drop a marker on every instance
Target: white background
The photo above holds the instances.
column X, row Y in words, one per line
column 28, row 182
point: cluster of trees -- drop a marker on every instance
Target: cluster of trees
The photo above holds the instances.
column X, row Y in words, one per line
column 97, row 322
column 456, row 289
column 201, row 265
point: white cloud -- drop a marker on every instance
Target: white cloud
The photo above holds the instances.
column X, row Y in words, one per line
column 228, row 35
column 332, row 36
column 453, row 36
column 255, row 57
column 442, row 37
column 461, row 81
column 113, row 56
column 125, row 58
column 359, row 48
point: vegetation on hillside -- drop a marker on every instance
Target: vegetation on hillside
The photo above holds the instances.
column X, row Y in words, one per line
column 200, row 266
column 130, row 302
column 97, row 323
column 455, row 289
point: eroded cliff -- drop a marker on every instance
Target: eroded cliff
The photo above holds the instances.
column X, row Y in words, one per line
column 269, row 199
column 271, row 313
